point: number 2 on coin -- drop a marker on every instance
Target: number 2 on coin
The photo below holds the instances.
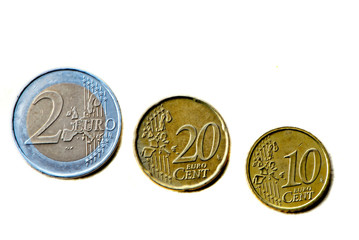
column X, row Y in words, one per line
column 199, row 142
column 57, row 103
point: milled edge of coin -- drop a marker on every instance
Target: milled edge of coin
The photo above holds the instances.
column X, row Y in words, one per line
column 79, row 174
column 309, row 204
column 187, row 188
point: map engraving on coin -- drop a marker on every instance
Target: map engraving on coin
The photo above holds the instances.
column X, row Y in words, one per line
column 288, row 169
column 67, row 123
column 182, row 144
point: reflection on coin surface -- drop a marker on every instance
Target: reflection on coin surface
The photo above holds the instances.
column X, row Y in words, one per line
column 67, row 123
column 182, row 144
column 288, row 169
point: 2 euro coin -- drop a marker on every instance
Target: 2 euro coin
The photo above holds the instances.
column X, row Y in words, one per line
column 67, row 123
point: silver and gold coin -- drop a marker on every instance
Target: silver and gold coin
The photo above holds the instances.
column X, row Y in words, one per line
column 182, row 143
column 67, row 123
column 288, row 169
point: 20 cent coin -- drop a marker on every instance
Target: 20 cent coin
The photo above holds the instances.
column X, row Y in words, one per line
column 182, row 143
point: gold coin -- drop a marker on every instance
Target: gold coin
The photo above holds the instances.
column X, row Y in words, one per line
column 288, row 169
column 182, row 143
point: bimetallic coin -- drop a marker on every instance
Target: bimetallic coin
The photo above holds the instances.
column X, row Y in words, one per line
column 288, row 169
column 182, row 143
column 67, row 123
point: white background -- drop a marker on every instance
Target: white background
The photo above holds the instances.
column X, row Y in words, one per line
column 261, row 64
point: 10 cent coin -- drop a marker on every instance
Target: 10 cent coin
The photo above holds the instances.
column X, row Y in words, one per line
column 288, row 169
column 182, row 143
column 66, row 123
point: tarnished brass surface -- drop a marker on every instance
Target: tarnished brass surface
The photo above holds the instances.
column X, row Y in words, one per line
column 288, row 169
column 182, row 143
